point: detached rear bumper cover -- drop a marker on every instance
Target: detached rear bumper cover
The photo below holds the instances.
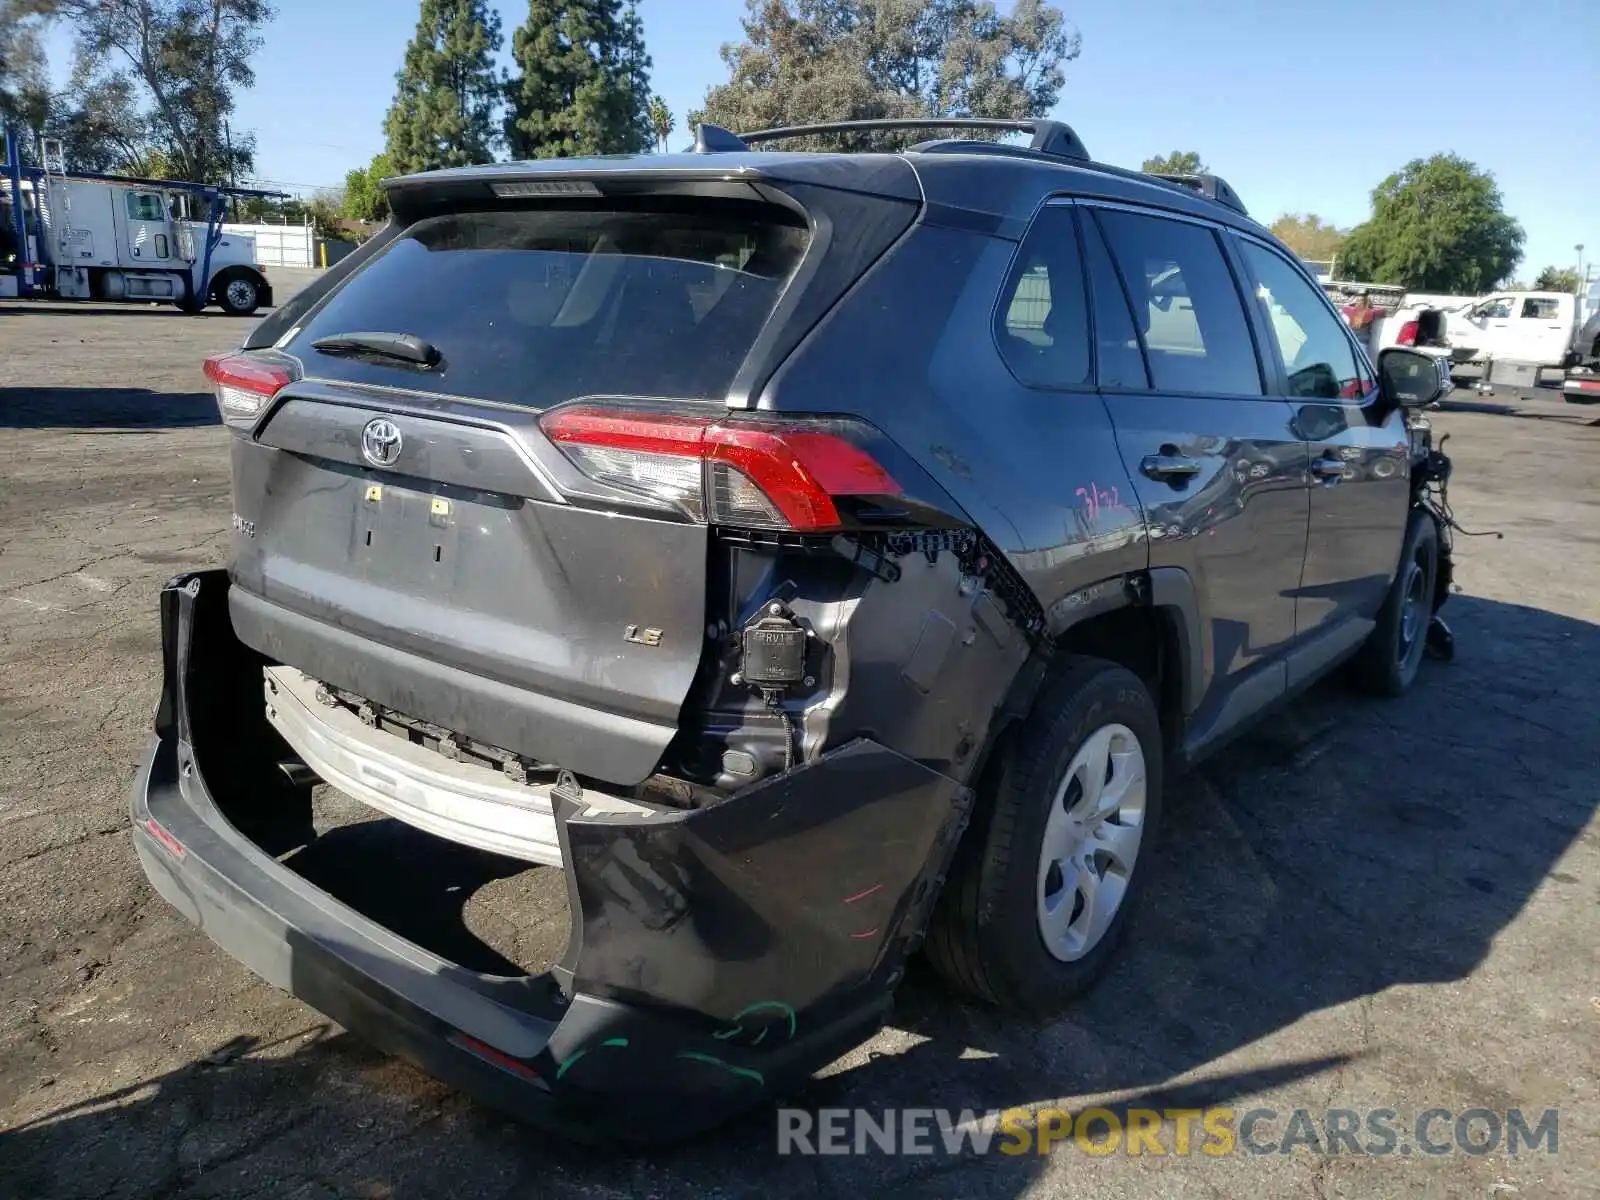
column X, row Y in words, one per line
column 717, row 957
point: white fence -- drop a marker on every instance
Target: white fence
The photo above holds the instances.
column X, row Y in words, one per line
column 279, row 245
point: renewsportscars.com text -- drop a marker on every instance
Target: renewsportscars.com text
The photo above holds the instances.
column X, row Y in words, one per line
column 1177, row 1131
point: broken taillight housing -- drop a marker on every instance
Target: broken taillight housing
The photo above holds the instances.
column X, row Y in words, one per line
column 244, row 384
column 752, row 474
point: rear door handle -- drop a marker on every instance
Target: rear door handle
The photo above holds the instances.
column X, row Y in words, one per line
column 1328, row 469
column 1174, row 468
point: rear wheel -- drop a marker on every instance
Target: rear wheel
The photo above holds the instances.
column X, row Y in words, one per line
column 238, row 295
column 1048, row 875
column 1387, row 663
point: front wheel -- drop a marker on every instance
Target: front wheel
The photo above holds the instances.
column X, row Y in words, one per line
column 1048, row 874
column 1386, row 664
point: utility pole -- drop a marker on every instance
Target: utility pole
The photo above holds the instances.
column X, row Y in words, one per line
column 1581, row 279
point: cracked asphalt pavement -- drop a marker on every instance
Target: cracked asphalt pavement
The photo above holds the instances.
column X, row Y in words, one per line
column 1360, row 905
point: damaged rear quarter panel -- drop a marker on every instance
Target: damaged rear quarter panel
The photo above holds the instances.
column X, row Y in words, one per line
column 761, row 911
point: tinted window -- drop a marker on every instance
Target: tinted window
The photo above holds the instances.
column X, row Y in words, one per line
column 145, row 206
column 1542, row 308
column 1042, row 324
column 1187, row 309
column 536, row 306
column 1119, row 363
column 1317, row 355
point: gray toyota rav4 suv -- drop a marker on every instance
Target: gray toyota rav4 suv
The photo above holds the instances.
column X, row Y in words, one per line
column 814, row 556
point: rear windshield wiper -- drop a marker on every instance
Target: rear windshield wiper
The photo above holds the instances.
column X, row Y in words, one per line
column 402, row 347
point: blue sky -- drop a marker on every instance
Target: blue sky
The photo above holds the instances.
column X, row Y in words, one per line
column 1301, row 106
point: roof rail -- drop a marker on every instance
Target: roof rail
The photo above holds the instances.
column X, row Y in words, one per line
column 1212, row 187
column 1055, row 138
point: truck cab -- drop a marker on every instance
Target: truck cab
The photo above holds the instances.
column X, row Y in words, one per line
column 82, row 236
column 1525, row 327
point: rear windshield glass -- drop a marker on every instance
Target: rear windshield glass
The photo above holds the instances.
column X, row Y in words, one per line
column 536, row 306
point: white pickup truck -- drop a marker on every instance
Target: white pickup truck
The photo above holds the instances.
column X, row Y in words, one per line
column 1537, row 328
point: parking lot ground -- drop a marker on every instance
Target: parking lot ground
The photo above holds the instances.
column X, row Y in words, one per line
column 1361, row 905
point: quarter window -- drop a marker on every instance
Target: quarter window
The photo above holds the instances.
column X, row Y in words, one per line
column 1320, row 361
column 1042, row 323
column 1195, row 335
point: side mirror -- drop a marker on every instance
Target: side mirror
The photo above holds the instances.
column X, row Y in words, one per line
column 1412, row 379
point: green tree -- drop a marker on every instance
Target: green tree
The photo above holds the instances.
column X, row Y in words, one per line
column 1437, row 225
column 1309, row 236
column 582, row 84
column 808, row 61
column 1555, row 279
column 25, row 99
column 661, row 122
column 446, row 94
column 1179, row 162
column 364, row 199
column 161, row 76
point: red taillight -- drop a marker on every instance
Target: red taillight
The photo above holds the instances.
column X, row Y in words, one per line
column 1408, row 334
column 759, row 474
column 244, row 384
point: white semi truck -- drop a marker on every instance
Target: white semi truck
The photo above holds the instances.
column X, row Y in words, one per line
column 76, row 236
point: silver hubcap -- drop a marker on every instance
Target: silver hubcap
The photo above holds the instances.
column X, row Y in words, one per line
column 241, row 293
column 1412, row 608
column 1091, row 841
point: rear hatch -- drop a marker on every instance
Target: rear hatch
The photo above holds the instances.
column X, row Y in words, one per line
column 408, row 530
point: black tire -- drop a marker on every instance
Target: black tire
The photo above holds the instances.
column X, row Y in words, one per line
column 985, row 935
column 1386, row 664
column 238, row 295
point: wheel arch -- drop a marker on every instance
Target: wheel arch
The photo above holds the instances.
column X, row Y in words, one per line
column 1146, row 621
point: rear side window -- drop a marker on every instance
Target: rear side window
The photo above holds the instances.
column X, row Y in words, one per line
column 1193, row 326
column 1042, row 324
column 1318, row 357
column 1541, row 308
column 536, row 306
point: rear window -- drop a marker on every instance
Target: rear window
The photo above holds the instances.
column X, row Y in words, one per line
column 536, row 306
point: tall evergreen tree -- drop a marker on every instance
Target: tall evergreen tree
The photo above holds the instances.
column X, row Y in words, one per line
column 446, row 94
column 583, row 81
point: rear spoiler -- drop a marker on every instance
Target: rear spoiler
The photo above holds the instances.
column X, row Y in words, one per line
column 731, row 175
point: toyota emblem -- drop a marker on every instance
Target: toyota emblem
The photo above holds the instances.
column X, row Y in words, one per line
column 381, row 442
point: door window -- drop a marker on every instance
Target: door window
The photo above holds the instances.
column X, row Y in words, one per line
column 1193, row 326
column 1542, row 308
column 1042, row 324
column 1318, row 357
column 146, row 206
column 1497, row 309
